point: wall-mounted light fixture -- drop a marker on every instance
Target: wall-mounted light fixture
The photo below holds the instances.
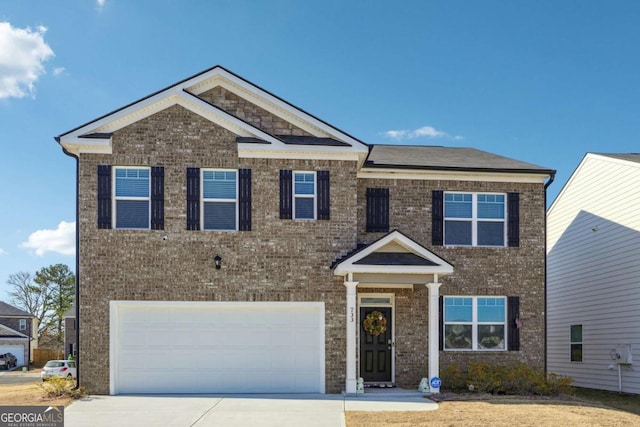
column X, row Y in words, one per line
column 218, row 262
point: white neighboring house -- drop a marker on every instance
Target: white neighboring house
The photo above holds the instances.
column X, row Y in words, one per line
column 593, row 274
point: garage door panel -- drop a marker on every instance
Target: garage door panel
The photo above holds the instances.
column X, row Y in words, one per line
column 217, row 347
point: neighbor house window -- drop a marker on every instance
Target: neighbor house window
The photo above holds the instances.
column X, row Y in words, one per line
column 475, row 323
column 132, row 197
column 474, row 219
column 304, row 195
column 23, row 325
column 219, row 199
column 576, row 343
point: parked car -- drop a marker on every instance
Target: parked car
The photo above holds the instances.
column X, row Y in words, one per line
column 8, row 361
column 59, row 368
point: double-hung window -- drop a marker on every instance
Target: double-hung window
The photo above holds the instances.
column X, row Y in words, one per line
column 132, row 187
column 576, row 343
column 219, row 199
column 304, row 195
column 474, row 219
column 23, row 324
column 475, row 323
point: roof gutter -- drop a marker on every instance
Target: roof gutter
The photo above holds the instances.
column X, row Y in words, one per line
column 77, row 301
column 552, row 176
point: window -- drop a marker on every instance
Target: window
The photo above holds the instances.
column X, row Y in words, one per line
column 576, row 343
column 472, row 219
column 132, row 202
column 219, row 199
column 304, row 195
column 474, row 323
column 23, row 325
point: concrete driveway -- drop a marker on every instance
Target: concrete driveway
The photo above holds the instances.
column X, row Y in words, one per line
column 326, row 410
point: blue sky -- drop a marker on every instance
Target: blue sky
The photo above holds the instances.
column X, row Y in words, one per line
column 543, row 82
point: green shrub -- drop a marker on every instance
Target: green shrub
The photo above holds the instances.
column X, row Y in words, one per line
column 513, row 379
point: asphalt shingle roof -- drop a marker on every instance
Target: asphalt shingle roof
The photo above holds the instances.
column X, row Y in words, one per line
column 632, row 157
column 7, row 310
column 446, row 158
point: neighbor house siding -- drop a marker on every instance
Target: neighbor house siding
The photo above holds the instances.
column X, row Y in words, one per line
column 278, row 260
column 594, row 271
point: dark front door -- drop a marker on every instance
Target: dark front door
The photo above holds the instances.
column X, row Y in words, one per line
column 375, row 344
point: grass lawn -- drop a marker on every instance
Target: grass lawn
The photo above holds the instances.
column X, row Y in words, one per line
column 586, row 408
column 29, row 394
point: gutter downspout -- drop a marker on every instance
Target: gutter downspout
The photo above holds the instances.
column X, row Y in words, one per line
column 552, row 176
column 77, row 301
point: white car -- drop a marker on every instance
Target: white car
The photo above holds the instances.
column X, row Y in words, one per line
column 59, row 368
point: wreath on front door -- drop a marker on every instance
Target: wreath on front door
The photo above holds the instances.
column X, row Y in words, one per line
column 374, row 323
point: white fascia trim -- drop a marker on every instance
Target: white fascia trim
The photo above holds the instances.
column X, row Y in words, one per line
column 220, row 77
column 392, row 269
column 290, row 151
column 87, row 145
column 430, row 175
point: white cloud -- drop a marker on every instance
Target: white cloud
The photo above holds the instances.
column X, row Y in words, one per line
column 423, row 132
column 61, row 240
column 22, row 54
column 3, row 252
column 101, row 3
column 58, row 70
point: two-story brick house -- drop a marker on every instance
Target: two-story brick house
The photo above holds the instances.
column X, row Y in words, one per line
column 232, row 242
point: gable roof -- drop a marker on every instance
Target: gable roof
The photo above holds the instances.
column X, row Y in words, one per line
column 7, row 310
column 71, row 313
column 393, row 253
column 95, row 136
column 631, row 157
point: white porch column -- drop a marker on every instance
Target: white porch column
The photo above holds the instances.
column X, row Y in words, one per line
column 351, row 380
column 434, row 333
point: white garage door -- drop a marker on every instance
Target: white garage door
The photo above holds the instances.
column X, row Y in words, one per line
column 17, row 351
column 216, row 347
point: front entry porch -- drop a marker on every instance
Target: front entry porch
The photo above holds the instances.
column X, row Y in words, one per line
column 392, row 262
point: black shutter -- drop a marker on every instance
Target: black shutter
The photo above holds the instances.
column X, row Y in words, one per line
column 244, row 199
column 441, row 321
column 157, row 198
column 513, row 215
column 193, row 198
column 323, row 205
column 437, row 218
column 104, row 196
column 513, row 318
column 286, row 194
column 378, row 209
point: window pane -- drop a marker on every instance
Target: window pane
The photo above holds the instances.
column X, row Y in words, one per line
column 458, row 309
column 491, row 310
column 491, row 336
column 490, row 233
column 132, row 214
column 491, row 206
column 375, row 300
column 305, row 183
column 576, row 333
column 457, row 232
column 219, row 184
column 132, row 182
column 304, row 208
column 457, row 336
column 576, row 352
column 457, row 205
column 219, row 216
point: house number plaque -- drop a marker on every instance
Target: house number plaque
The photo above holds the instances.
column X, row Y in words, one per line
column 352, row 314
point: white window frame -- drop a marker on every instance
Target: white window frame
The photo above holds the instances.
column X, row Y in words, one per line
column 474, row 220
column 314, row 196
column 207, row 200
column 114, row 207
column 475, row 323
column 580, row 343
column 22, row 324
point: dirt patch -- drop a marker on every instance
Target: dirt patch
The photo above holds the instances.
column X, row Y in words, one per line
column 28, row 395
column 475, row 410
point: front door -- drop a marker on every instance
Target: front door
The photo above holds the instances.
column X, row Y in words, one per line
column 375, row 344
